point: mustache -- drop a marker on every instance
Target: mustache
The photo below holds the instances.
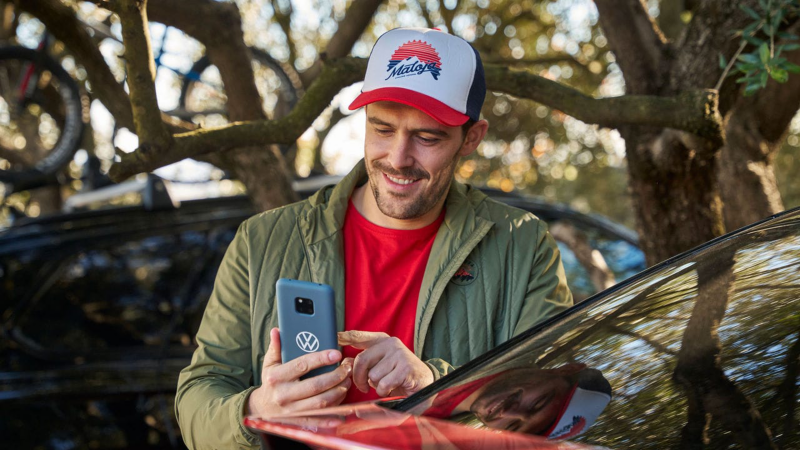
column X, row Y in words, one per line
column 413, row 173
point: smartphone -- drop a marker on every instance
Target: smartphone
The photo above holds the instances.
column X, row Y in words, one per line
column 307, row 320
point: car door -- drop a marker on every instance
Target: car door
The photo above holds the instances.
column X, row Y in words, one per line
column 701, row 351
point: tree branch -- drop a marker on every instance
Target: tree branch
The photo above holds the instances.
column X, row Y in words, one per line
column 540, row 61
column 61, row 22
column 693, row 111
column 141, row 75
column 355, row 21
column 636, row 42
column 335, row 76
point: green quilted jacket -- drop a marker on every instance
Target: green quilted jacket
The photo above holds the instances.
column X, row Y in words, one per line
column 494, row 271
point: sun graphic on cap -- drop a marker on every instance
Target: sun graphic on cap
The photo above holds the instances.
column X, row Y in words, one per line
column 421, row 49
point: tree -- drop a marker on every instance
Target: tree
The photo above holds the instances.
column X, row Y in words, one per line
column 679, row 130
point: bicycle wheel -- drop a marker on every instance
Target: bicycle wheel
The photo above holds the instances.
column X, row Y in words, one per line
column 203, row 98
column 41, row 116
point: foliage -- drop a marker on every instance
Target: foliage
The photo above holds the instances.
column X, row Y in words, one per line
column 765, row 60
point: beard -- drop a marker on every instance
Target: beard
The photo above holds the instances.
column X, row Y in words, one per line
column 403, row 206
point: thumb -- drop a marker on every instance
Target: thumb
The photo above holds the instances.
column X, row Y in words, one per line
column 273, row 356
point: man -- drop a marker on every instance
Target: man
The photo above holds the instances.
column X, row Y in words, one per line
column 428, row 273
column 558, row 403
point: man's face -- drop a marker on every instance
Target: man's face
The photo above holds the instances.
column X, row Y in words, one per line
column 410, row 159
column 523, row 400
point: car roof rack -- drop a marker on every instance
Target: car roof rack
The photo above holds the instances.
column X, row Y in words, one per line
column 152, row 189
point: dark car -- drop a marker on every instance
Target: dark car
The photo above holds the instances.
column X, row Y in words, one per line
column 700, row 351
column 99, row 309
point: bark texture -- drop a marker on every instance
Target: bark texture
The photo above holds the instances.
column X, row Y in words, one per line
column 153, row 136
column 259, row 166
column 676, row 193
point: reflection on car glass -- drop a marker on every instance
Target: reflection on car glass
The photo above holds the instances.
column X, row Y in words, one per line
column 558, row 403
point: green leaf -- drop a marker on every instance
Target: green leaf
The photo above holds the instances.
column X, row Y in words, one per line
column 749, row 80
column 778, row 17
column 779, row 75
column 751, row 89
column 722, row 63
column 763, row 52
column 752, row 28
column 750, row 58
column 789, row 67
column 750, row 12
column 789, row 47
column 753, row 40
column 787, row 36
column 764, row 78
column 747, row 67
column 764, row 5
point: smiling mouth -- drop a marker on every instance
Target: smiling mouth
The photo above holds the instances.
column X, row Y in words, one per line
column 400, row 181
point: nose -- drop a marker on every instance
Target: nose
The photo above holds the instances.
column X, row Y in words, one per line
column 400, row 153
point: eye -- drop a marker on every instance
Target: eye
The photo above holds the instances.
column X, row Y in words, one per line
column 383, row 131
column 428, row 141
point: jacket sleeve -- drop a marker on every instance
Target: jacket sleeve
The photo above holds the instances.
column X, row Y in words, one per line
column 439, row 367
column 547, row 291
column 212, row 390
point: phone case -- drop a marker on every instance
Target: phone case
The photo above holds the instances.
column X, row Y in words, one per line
column 303, row 333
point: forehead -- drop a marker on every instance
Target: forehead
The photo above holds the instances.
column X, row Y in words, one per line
column 400, row 115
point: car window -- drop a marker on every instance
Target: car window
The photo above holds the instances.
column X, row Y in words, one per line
column 594, row 261
column 702, row 351
column 119, row 292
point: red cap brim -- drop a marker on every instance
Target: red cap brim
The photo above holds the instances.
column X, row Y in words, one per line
column 437, row 110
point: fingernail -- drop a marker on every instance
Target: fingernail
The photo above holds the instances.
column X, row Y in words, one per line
column 333, row 356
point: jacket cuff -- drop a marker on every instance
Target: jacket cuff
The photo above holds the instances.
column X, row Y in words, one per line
column 245, row 437
column 434, row 370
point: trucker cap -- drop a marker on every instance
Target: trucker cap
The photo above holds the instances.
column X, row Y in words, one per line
column 588, row 398
column 435, row 72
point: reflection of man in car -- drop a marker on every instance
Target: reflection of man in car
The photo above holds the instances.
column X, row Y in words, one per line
column 428, row 273
column 557, row 403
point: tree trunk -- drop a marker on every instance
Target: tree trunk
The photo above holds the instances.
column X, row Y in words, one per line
column 218, row 26
column 755, row 129
column 675, row 184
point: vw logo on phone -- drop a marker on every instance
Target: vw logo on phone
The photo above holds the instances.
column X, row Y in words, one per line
column 307, row 341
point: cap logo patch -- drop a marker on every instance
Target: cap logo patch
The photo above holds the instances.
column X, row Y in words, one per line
column 414, row 58
column 466, row 273
column 571, row 429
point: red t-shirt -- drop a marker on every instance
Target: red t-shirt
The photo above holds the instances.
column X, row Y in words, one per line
column 383, row 275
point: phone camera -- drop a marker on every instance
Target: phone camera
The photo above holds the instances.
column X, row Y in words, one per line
column 304, row 305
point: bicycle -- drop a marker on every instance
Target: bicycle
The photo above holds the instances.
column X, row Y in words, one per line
column 42, row 115
column 202, row 97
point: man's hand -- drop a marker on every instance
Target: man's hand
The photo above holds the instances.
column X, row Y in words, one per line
column 385, row 364
column 281, row 389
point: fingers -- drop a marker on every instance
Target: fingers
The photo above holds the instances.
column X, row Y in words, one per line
column 315, row 385
column 360, row 339
column 363, row 363
column 273, row 355
column 298, row 367
column 331, row 397
column 394, row 380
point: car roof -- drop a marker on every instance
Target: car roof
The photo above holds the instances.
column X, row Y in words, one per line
column 76, row 225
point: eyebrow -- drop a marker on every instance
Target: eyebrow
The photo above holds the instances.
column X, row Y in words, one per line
column 433, row 131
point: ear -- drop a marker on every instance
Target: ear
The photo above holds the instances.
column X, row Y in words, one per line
column 474, row 136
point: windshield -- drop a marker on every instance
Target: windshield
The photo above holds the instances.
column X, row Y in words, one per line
column 703, row 350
